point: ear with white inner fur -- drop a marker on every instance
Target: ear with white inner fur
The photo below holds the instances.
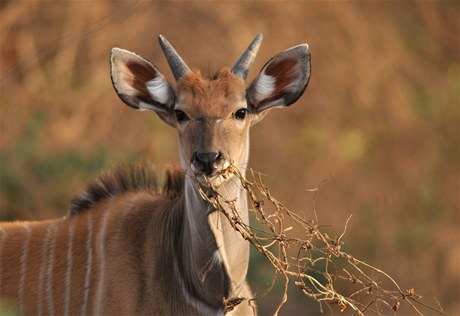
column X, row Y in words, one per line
column 282, row 80
column 140, row 85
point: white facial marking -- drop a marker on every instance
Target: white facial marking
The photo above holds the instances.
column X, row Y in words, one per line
column 265, row 87
column 158, row 89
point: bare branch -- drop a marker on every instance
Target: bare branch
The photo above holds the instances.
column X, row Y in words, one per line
column 303, row 258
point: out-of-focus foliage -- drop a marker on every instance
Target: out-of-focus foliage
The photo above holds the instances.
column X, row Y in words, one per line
column 380, row 119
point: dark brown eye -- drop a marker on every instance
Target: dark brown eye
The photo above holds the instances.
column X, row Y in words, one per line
column 240, row 114
column 180, row 116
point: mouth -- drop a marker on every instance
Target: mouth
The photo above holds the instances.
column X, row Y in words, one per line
column 211, row 178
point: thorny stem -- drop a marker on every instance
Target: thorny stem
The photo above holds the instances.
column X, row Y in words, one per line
column 317, row 254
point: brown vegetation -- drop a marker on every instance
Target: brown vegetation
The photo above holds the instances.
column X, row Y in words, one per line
column 307, row 256
column 380, row 119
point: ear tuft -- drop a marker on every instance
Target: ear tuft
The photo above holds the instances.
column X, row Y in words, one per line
column 282, row 80
column 264, row 87
column 139, row 83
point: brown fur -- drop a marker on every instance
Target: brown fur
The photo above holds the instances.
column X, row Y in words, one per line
column 211, row 95
column 137, row 249
column 206, row 101
column 142, row 233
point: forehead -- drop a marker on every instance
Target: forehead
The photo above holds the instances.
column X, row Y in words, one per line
column 214, row 95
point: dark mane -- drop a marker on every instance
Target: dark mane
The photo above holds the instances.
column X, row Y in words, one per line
column 124, row 179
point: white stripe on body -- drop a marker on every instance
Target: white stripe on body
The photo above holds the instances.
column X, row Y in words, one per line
column 49, row 284
column 89, row 250
column 125, row 213
column 101, row 246
column 23, row 268
column 68, row 272
column 41, row 275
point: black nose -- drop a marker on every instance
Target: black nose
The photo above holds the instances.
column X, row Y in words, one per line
column 207, row 162
column 207, row 157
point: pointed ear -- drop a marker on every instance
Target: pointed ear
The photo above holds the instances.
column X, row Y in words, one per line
column 282, row 80
column 140, row 85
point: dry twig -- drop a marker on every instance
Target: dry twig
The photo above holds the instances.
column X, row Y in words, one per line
column 314, row 268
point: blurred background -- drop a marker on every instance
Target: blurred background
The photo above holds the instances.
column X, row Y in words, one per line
column 379, row 121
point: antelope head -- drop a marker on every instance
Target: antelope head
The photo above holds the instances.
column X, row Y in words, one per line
column 212, row 115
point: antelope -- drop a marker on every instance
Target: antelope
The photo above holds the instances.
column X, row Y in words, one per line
column 128, row 247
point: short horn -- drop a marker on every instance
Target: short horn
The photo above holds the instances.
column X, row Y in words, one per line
column 178, row 67
column 241, row 67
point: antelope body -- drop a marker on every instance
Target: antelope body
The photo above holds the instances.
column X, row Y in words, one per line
column 127, row 247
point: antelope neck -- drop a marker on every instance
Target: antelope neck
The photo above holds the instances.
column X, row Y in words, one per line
column 214, row 257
